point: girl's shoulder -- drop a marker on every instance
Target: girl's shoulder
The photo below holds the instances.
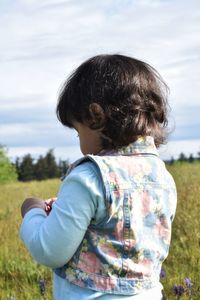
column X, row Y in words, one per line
column 86, row 164
column 85, row 172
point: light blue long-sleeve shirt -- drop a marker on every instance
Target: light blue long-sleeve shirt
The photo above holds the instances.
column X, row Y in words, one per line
column 53, row 240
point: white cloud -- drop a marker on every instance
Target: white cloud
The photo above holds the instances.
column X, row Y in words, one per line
column 36, row 135
column 43, row 41
column 70, row 153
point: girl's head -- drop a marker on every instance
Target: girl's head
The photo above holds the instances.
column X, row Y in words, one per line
column 117, row 96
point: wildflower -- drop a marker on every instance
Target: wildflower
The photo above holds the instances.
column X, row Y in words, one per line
column 188, row 283
column 178, row 290
column 11, row 298
column 162, row 273
column 42, row 286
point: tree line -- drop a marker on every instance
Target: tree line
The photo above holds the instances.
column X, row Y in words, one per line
column 45, row 167
column 183, row 158
column 27, row 168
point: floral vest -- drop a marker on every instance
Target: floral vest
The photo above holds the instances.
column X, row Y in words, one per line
column 123, row 253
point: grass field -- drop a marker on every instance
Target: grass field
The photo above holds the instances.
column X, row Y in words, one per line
column 19, row 275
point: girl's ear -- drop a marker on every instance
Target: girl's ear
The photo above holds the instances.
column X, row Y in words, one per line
column 97, row 116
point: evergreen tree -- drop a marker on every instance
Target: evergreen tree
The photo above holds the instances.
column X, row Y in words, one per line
column 25, row 168
column 171, row 160
column 17, row 166
column 41, row 168
column 191, row 158
column 63, row 167
column 198, row 155
column 7, row 169
column 182, row 157
column 52, row 168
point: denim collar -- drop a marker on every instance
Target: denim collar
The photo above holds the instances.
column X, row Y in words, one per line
column 143, row 145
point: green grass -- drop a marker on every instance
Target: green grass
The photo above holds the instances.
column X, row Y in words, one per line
column 184, row 257
column 19, row 275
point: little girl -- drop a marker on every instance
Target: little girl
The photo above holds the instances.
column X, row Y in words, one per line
column 109, row 230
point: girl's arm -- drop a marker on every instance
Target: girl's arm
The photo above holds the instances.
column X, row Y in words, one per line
column 52, row 240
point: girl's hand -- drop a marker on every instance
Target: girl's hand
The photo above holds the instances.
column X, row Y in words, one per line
column 48, row 205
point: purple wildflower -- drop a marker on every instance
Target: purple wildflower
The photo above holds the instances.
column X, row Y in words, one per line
column 42, row 286
column 162, row 273
column 188, row 283
column 178, row 290
column 11, row 298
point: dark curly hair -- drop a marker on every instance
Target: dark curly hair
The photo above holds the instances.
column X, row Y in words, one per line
column 130, row 92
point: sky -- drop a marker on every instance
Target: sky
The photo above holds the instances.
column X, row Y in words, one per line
column 42, row 42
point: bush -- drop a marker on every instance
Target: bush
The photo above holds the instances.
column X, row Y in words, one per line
column 7, row 169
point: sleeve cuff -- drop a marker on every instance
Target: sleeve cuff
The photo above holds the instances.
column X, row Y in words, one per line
column 25, row 228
